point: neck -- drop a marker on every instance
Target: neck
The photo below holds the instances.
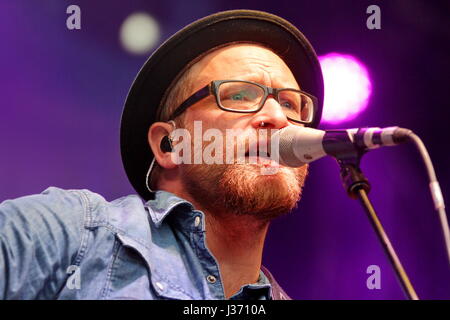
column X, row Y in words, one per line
column 237, row 244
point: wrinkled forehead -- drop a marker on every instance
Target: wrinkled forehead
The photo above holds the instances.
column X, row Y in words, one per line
column 242, row 60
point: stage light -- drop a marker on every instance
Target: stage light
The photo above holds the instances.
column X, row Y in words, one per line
column 139, row 33
column 347, row 87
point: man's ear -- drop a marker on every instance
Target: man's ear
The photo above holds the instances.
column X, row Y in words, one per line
column 158, row 135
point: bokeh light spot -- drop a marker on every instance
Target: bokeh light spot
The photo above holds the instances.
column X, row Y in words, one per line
column 347, row 87
column 139, row 33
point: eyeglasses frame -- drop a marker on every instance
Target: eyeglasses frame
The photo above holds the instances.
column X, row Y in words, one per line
column 213, row 88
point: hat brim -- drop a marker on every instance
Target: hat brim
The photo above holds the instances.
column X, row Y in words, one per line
column 173, row 55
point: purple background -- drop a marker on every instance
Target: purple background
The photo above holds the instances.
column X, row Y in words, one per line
column 62, row 94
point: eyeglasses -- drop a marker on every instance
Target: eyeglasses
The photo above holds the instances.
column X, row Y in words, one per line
column 249, row 97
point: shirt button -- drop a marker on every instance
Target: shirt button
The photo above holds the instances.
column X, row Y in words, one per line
column 211, row 279
column 197, row 221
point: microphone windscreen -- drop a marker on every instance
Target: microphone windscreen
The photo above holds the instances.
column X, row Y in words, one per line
column 299, row 145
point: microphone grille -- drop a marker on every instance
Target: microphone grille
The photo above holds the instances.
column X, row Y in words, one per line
column 286, row 140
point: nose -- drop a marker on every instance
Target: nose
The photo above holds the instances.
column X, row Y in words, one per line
column 271, row 114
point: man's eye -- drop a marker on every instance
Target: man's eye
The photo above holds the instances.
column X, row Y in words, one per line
column 237, row 96
column 240, row 96
column 288, row 104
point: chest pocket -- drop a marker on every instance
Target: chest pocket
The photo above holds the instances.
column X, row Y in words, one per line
column 139, row 272
column 129, row 277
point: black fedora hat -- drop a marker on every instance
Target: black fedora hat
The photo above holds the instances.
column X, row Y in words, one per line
column 171, row 58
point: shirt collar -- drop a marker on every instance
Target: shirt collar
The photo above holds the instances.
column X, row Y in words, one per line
column 163, row 204
column 261, row 290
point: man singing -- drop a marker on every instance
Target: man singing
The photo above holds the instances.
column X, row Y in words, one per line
column 199, row 233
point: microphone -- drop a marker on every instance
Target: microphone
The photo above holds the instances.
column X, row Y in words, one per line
column 301, row 145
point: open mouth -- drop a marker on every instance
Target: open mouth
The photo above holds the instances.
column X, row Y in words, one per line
column 258, row 153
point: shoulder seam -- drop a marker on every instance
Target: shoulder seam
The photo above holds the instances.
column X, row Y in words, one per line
column 87, row 217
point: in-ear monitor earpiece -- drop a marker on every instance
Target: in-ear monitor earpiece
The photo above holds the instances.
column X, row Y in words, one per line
column 166, row 144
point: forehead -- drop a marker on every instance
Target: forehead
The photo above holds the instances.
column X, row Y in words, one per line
column 243, row 62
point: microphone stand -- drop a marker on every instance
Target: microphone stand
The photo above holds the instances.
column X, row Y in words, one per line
column 358, row 187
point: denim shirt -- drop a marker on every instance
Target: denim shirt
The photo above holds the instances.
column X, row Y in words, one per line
column 73, row 244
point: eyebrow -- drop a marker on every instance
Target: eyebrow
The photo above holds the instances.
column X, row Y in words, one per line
column 259, row 78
